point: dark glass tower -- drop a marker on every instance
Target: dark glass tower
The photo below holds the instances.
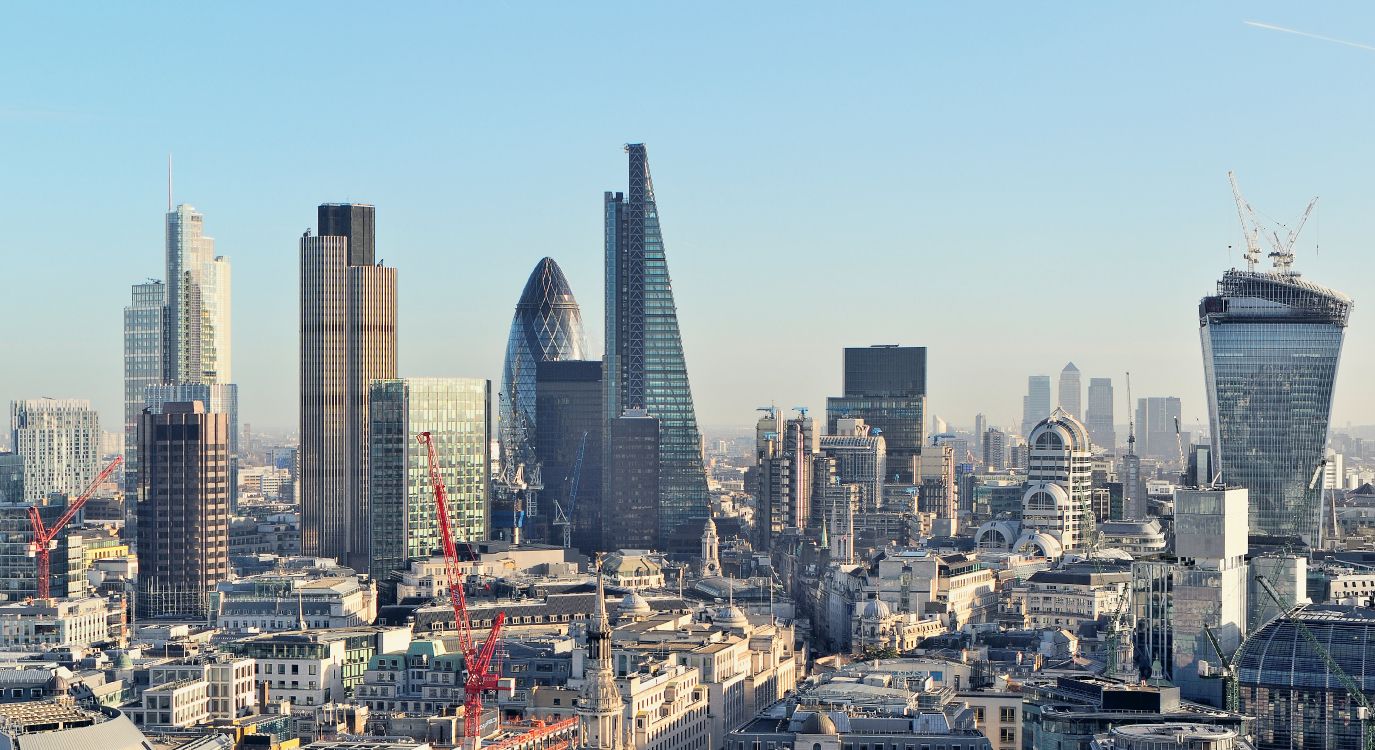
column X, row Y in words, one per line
column 885, row 386
column 547, row 327
column 569, row 410
column 645, row 368
column 1271, row 343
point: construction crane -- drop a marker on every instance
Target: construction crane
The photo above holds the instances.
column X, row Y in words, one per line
column 1282, row 254
column 1363, row 713
column 477, row 660
column 1231, row 689
column 1250, row 225
column 564, row 519
column 45, row 539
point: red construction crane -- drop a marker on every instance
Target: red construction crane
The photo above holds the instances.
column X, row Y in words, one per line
column 477, row 661
column 44, row 539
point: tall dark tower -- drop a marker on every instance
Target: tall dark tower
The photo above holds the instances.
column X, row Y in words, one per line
column 645, row 367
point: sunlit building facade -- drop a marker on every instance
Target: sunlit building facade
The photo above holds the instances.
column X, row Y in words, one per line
column 1271, row 344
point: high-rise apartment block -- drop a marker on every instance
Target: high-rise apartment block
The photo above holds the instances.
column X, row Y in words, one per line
column 568, row 441
column 995, row 449
column 1099, row 415
column 1271, row 344
column 1036, row 403
column 60, row 442
column 456, row 413
column 1072, row 391
column 885, row 386
column 645, row 367
column 348, row 339
column 183, row 509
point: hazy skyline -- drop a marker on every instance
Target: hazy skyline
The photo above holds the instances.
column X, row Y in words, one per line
column 943, row 177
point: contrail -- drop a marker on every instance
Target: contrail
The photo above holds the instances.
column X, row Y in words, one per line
column 1320, row 37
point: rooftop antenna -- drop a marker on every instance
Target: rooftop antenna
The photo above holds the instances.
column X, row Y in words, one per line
column 1131, row 417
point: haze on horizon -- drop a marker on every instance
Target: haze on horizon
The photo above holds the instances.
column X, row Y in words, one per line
column 888, row 177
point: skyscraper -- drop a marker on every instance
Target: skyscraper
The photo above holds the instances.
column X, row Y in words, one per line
column 1071, row 391
column 568, row 408
column 1036, row 403
column 631, row 508
column 1271, row 344
column 645, row 367
column 547, row 326
column 1156, row 418
column 198, row 310
column 995, row 449
column 1099, row 416
column 348, row 339
column 60, row 442
column 145, row 356
column 222, row 398
column 183, row 509
column 885, row 385
column 456, row 413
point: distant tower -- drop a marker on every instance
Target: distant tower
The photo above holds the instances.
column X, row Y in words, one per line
column 1071, row 391
column 711, row 549
column 600, row 706
column 1099, row 415
column 1036, row 403
column 885, row 385
column 1059, row 493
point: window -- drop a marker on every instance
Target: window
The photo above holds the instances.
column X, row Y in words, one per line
column 1007, row 714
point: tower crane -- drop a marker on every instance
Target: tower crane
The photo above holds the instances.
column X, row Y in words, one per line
column 1250, row 225
column 477, row 660
column 565, row 519
column 1363, row 713
column 45, row 539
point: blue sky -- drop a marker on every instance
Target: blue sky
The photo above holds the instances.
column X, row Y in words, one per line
column 1011, row 185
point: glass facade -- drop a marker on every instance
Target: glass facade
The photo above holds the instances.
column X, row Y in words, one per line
column 198, row 296
column 1284, row 682
column 645, row 367
column 899, row 420
column 569, row 425
column 1271, row 343
column 455, row 411
column 145, row 331
column 547, row 327
column 221, row 398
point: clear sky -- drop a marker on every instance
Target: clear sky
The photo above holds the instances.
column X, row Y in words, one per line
column 1011, row 185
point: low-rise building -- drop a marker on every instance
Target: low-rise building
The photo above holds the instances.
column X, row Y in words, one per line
column 295, row 601
column 61, row 723
column 1071, row 596
column 834, row 728
column 314, row 668
column 59, row 623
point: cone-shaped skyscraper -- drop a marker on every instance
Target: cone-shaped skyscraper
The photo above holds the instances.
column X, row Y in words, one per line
column 547, row 327
column 645, row 369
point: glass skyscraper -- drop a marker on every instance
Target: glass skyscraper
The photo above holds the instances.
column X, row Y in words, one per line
column 645, row 367
column 455, row 411
column 1271, row 343
column 885, row 385
column 547, row 327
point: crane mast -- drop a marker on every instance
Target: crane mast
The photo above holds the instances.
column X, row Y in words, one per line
column 477, row 660
column 44, row 538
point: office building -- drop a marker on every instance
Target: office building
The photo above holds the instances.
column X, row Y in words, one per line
column 1156, row 420
column 183, row 509
column 861, row 458
column 348, row 339
column 1285, row 683
column 1099, row 415
column 769, row 480
column 568, row 441
column 1058, row 496
column 198, row 303
column 1209, row 591
column 221, row 398
column 885, row 385
column 1036, row 402
column 60, row 442
column 456, row 413
column 547, row 326
column 1271, row 343
column 66, row 572
column 793, row 725
column 145, row 334
column 1072, row 391
column 645, row 366
column 631, row 508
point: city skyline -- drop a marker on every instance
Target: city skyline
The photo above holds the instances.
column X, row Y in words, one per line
column 254, row 200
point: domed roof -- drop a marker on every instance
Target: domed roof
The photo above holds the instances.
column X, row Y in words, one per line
column 730, row 616
column 124, row 661
column 634, row 604
column 876, row 609
column 1061, row 430
column 818, row 723
column 1279, row 655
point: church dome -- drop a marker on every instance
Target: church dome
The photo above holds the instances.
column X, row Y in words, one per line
column 876, row 609
column 818, row 723
column 730, row 617
column 633, row 604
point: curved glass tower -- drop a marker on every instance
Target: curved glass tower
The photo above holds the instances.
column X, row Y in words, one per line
column 1271, row 343
column 547, row 326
